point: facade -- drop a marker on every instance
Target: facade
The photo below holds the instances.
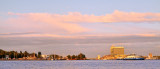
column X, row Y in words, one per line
column 98, row 57
column 116, row 51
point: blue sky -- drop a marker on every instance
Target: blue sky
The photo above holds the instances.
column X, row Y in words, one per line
column 84, row 6
column 74, row 20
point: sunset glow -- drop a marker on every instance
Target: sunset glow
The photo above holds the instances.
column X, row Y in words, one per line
column 70, row 27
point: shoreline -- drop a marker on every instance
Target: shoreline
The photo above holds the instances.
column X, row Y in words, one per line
column 76, row 60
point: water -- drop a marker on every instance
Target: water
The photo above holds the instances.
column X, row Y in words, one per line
column 82, row 64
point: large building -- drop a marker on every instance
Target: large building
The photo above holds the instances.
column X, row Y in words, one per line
column 117, row 50
column 116, row 53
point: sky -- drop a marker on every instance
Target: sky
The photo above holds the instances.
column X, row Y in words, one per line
column 80, row 26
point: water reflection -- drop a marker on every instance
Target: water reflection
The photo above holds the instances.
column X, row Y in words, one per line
column 81, row 64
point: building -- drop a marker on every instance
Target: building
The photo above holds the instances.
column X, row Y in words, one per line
column 108, row 57
column 45, row 56
column 116, row 51
column 31, row 56
column 98, row 57
column 150, row 56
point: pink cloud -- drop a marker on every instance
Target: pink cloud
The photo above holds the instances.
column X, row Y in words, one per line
column 70, row 22
column 46, row 18
column 116, row 16
column 27, row 34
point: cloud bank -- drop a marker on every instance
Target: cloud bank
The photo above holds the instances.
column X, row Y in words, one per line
column 116, row 16
column 71, row 23
column 64, row 33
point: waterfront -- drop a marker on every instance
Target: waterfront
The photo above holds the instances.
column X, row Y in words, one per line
column 81, row 64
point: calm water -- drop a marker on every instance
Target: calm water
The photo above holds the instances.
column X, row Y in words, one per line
column 81, row 64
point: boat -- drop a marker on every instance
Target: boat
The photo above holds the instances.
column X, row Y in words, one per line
column 133, row 57
column 120, row 58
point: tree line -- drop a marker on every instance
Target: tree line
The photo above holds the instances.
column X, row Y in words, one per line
column 20, row 54
column 77, row 57
column 15, row 54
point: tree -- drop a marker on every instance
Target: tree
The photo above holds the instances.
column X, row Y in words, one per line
column 69, row 57
column 39, row 54
column 26, row 54
column 16, row 54
column 20, row 55
column 73, row 57
column 61, row 57
column 81, row 56
column 56, row 56
column 2, row 53
column 12, row 54
column 36, row 55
